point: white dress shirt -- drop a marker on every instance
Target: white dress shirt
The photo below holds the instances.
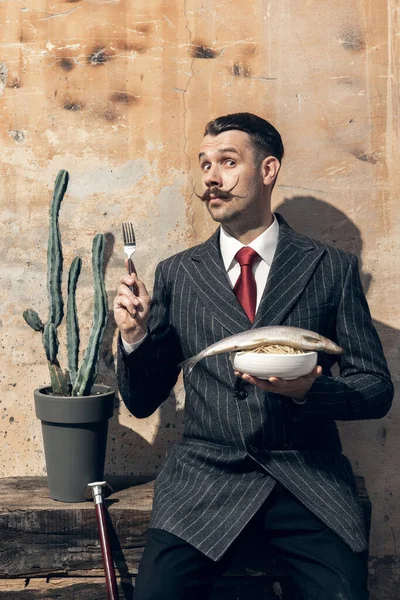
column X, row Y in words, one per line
column 265, row 246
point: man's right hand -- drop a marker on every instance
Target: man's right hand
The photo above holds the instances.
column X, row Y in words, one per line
column 131, row 309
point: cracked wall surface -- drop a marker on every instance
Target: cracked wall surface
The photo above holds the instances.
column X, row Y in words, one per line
column 118, row 93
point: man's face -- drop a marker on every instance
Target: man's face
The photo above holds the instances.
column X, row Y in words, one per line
column 228, row 162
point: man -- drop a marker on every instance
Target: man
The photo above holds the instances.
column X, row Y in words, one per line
column 251, row 449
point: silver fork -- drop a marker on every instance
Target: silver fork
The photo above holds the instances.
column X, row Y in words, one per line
column 129, row 245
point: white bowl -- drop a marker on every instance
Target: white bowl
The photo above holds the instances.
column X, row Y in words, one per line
column 284, row 366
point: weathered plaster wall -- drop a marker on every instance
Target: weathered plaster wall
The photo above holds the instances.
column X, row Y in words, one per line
column 117, row 93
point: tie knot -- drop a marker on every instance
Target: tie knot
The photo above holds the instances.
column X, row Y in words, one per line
column 246, row 256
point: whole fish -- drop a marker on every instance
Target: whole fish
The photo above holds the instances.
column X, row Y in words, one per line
column 300, row 339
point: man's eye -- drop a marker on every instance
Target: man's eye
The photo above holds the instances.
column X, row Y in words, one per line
column 205, row 166
column 230, row 162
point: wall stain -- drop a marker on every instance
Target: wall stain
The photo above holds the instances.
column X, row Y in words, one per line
column 19, row 136
column 144, row 28
column 132, row 47
column 345, row 80
column 240, row 70
column 369, row 157
column 353, row 41
column 124, row 98
column 24, row 38
column 15, row 82
column 67, row 64
column 250, row 49
column 71, row 105
column 110, row 116
column 202, row 51
column 98, row 56
column 3, row 77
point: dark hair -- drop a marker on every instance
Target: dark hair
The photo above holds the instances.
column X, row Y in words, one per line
column 265, row 139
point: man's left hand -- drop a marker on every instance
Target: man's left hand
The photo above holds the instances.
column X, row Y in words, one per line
column 293, row 388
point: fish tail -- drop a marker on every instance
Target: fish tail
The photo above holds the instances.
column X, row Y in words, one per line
column 190, row 363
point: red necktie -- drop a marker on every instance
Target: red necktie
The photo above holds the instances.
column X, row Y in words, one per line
column 245, row 287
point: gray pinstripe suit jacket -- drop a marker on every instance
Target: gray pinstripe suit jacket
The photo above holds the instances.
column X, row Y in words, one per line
column 233, row 450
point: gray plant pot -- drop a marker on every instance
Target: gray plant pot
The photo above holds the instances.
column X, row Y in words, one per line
column 75, row 439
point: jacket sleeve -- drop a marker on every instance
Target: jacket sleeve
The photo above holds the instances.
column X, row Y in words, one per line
column 147, row 375
column 364, row 389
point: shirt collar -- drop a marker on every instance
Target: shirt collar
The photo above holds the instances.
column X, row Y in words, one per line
column 265, row 244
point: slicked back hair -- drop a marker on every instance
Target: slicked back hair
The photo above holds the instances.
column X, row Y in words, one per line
column 265, row 139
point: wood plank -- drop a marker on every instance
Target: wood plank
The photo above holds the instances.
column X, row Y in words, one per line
column 61, row 538
column 61, row 589
column 23, row 493
column 86, row 589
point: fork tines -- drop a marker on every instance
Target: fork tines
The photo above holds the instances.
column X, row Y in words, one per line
column 129, row 245
column 128, row 233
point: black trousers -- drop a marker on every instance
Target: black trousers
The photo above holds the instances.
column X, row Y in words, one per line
column 322, row 565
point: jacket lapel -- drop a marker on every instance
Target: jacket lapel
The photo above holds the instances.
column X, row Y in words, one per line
column 294, row 262
column 206, row 271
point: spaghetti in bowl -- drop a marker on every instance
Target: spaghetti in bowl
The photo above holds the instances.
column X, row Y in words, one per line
column 275, row 361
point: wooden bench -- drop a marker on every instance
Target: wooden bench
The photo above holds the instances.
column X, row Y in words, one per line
column 50, row 549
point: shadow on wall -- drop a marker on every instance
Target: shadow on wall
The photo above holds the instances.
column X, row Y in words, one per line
column 319, row 220
column 306, row 214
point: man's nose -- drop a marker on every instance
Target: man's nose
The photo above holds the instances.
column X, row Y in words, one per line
column 212, row 177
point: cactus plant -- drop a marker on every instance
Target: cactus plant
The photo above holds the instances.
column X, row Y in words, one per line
column 72, row 319
column 33, row 320
column 89, row 368
column 81, row 379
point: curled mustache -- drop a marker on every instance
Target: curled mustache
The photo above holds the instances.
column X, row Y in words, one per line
column 218, row 193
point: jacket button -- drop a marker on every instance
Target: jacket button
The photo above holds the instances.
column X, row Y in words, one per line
column 241, row 394
column 254, row 449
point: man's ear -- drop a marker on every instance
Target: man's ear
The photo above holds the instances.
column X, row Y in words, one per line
column 270, row 168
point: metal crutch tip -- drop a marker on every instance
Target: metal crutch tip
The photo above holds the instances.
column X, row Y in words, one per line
column 98, row 488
